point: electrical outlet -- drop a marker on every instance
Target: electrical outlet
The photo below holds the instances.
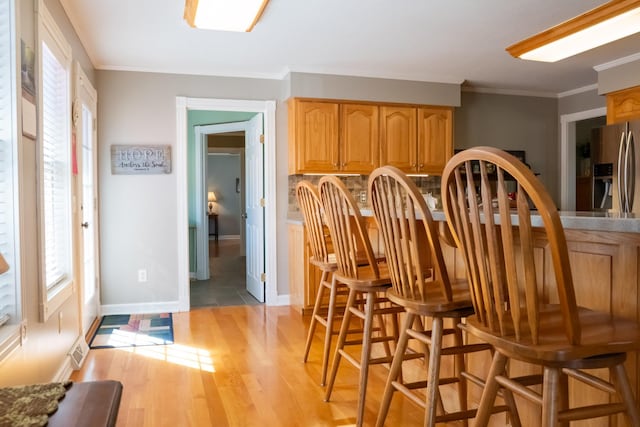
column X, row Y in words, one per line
column 363, row 197
column 142, row 275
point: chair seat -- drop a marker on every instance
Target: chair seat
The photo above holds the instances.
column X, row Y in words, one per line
column 602, row 335
column 329, row 265
column 434, row 303
column 366, row 280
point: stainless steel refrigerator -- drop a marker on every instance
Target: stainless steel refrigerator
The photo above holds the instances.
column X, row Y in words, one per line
column 616, row 168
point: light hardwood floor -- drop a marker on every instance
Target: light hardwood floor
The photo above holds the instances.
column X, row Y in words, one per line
column 237, row 366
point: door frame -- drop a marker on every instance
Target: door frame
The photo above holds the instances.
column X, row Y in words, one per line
column 568, row 154
column 268, row 109
column 200, row 168
column 84, row 91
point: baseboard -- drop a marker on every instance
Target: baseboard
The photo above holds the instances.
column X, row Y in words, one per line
column 283, row 300
column 64, row 372
column 141, row 308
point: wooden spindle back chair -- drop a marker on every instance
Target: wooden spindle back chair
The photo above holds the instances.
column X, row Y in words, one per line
column 316, row 231
column 367, row 278
column 506, row 236
column 422, row 286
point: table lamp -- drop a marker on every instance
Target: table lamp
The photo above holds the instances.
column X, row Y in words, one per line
column 212, row 198
column 4, row 267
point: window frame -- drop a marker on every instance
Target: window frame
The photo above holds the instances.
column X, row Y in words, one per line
column 52, row 298
column 10, row 332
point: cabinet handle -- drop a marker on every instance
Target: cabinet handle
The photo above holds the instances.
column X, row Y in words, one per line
column 420, row 166
column 335, row 166
column 343, row 164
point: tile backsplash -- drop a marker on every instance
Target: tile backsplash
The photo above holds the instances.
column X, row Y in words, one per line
column 357, row 185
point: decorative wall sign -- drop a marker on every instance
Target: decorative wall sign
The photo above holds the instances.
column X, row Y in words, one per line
column 140, row 159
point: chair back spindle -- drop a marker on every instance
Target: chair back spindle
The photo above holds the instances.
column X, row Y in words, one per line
column 504, row 269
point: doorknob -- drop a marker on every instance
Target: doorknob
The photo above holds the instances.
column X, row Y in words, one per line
column 85, row 225
column 244, row 215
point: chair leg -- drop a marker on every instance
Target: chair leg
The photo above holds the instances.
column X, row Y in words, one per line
column 328, row 335
column 623, row 387
column 459, row 367
column 314, row 321
column 563, row 397
column 550, row 392
column 490, row 389
column 366, row 355
column 396, row 369
column 340, row 344
column 434, row 372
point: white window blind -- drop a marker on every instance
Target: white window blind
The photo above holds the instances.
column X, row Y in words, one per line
column 9, row 290
column 56, row 166
column 55, row 163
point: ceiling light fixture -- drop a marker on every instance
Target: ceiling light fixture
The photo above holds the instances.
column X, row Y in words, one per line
column 611, row 21
column 224, row 15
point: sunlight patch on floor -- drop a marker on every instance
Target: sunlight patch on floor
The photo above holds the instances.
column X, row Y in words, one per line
column 177, row 354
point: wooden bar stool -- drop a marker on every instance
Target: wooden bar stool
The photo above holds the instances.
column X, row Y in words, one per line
column 311, row 208
column 412, row 248
column 370, row 280
column 518, row 309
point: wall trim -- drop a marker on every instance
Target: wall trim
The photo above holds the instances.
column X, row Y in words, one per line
column 64, row 371
column 141, row 308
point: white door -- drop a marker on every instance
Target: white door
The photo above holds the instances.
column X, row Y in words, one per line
column 86, row 152
column 254, row 175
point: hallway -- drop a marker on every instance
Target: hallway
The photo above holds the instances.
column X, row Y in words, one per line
column 227, row 284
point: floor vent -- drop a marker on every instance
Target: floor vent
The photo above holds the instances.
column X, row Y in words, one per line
column 78, row 353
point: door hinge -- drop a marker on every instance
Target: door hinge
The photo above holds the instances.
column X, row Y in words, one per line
column 263, row 277
column 263, row 203
column 262, row 139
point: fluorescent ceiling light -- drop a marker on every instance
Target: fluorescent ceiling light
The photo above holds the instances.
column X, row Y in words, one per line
column 612, row 21
column 224, row 15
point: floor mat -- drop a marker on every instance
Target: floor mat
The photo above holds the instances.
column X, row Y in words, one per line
column 133, row 330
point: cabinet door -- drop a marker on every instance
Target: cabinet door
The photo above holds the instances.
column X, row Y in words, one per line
column 435, row 139
column 359, row 142
column 316, row 136
column 398, row 137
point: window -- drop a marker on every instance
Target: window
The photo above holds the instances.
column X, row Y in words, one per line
column 55, row 164
column 9, row 281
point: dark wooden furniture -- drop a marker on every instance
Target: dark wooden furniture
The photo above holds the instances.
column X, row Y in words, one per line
column 311, row 208
column 213, row 225
column 412, row 247
column 524, row 324
column 367, row 282
column 88, row 404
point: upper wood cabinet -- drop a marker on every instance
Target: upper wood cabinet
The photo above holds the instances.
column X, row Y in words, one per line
column 435, row 139
column 359, row 138
column 314, row 128
column 416, row 139
column 348, row 137
column 328, row 137
column 398, row 137
column 623, row 105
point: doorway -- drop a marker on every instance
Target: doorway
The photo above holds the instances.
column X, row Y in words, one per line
column 267, row 108
column 568, row 154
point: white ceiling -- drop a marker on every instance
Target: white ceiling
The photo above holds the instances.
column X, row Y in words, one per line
column 424, row 40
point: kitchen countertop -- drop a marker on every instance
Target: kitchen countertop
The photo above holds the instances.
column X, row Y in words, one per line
column 593, row 221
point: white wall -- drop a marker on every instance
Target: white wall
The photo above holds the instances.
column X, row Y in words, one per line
column 138, row 213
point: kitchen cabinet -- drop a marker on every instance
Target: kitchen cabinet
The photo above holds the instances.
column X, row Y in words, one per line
column 623, row 105
column 416, row 139
column 332, row 137
column 314, row 128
